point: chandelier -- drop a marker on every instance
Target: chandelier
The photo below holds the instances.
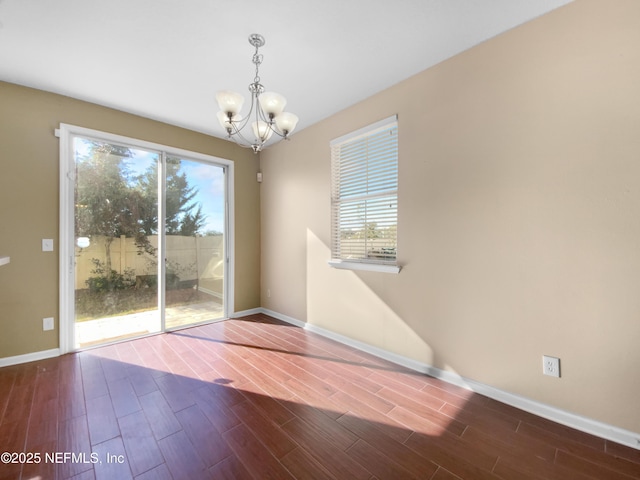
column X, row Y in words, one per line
column 267, row 115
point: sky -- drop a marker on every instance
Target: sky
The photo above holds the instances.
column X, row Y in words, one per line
column 207, row 178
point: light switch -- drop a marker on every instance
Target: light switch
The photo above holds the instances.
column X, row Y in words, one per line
column 47, row 323
column 47, row 244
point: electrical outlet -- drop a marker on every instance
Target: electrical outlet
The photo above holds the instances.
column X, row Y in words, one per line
column 268, row 293
column 551, row 366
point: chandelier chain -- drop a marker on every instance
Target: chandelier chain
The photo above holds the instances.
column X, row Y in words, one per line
column 257, row 59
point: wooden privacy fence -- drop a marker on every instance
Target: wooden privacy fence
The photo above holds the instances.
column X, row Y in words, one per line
column 188, row 259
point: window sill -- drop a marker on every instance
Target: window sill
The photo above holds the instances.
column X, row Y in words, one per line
column 369, row 267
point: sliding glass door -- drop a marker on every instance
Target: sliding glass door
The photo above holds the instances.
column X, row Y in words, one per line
column 116, row 242
column 194, row 238
column 146, row 239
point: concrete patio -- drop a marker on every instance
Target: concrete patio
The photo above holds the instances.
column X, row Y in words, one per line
column 109, row 329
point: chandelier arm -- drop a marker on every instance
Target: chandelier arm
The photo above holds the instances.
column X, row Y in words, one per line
column 236, row 136
column 257, row 113
column 262, row 117
column 275, row 130
column 271, row 124
column 244, row 143
column 239, row 124
column 241, row 140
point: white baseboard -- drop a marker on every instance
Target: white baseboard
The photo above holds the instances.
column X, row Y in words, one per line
column 587, row 425
column 285, row 318
column 244, row 313
column 29, row 357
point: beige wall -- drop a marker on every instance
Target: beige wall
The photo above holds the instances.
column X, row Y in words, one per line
column 519, row 216
column 29, row 187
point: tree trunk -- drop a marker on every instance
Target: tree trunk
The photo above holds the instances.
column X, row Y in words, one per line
column 107, row 249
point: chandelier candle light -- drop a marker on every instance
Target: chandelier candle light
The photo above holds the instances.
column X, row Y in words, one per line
column 267, row 110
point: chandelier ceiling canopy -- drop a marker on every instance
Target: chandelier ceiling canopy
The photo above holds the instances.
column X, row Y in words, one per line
column 266, row 113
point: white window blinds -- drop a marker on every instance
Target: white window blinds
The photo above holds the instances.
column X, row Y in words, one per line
column 364, row 196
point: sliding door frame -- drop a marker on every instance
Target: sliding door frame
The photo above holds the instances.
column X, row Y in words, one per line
column 66, row 133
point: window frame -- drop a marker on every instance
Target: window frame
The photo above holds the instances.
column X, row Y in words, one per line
column 337, row 199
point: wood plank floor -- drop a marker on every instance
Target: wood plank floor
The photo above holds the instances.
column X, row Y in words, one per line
column 253, row 398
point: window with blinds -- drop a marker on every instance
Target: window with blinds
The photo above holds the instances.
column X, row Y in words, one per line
column 364, row 194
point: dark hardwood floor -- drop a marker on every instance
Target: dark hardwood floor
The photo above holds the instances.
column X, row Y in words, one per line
column 253, row 398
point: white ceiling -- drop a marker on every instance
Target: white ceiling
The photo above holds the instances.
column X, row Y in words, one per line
column 166, row 59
